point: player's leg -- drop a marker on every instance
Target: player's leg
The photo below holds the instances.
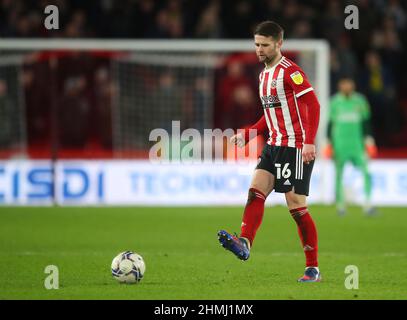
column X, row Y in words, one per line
column 261, row 186
column 297, row 204
column 339, row 194
column 361, row 163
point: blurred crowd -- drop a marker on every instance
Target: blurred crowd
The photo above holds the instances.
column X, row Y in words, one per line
column 372, row 55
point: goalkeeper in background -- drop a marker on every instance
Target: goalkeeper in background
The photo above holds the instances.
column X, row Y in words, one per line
column 350, row 139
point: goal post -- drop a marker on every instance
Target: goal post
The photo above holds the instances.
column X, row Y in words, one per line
column 189, row 61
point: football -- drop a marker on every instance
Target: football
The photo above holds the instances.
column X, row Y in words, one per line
column 128, row 267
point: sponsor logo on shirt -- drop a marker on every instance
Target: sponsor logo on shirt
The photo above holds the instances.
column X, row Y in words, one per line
column 270, row 101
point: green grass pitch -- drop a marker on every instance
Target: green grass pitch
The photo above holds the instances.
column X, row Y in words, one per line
column 184, row 259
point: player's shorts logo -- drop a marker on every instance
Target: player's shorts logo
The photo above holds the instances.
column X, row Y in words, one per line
column 297, row 77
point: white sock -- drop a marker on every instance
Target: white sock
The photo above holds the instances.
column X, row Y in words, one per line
column 312, row 267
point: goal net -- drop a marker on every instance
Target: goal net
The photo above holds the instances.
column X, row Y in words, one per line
column 110, row 95
column 12, row 111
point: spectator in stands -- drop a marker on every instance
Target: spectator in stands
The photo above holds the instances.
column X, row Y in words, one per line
column 386, row 40
column 395, row 10
column 382, row 27
column 144, row 17
column 209, row 23
column 331, row 22
column 242, row 106
column 175, row 18
column 169, row 21
column 105, row 91
column 199, row 110
column 234, row 80
column 74, row 113
column 76, row 27
column 290, row 16
column 302, row 30
column 346, row 56
column 167, row 96
column 238, row 16
column 271, row 10
column 378, row 84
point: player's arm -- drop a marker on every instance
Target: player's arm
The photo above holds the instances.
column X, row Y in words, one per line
column 329, row 131
column 310, row 101
column 331, row 119
column 370, row 143
column 367, row 129
column 241, row 139
column 261, row 126
column 313, row 109
column 328, row 151
column 309, row 108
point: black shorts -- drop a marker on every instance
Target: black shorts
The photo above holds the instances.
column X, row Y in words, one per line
column 286, row 165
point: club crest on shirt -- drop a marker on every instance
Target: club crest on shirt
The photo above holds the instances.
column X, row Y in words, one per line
column 273, row 84
column 297, row 77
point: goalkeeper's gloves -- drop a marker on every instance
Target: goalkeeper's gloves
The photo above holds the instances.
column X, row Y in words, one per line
column 327, row 152
column 370, row 147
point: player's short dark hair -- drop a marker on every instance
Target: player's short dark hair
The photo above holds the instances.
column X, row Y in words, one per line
column 269, row 29
column 345, row 77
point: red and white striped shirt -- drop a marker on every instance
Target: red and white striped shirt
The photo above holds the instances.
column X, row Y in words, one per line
column 279, row 88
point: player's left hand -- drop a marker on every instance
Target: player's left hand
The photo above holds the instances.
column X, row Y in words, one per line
column 370, row 147
column 371, row 151
column 308, row 153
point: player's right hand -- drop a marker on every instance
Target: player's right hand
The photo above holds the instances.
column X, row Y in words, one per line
column 238, row 140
